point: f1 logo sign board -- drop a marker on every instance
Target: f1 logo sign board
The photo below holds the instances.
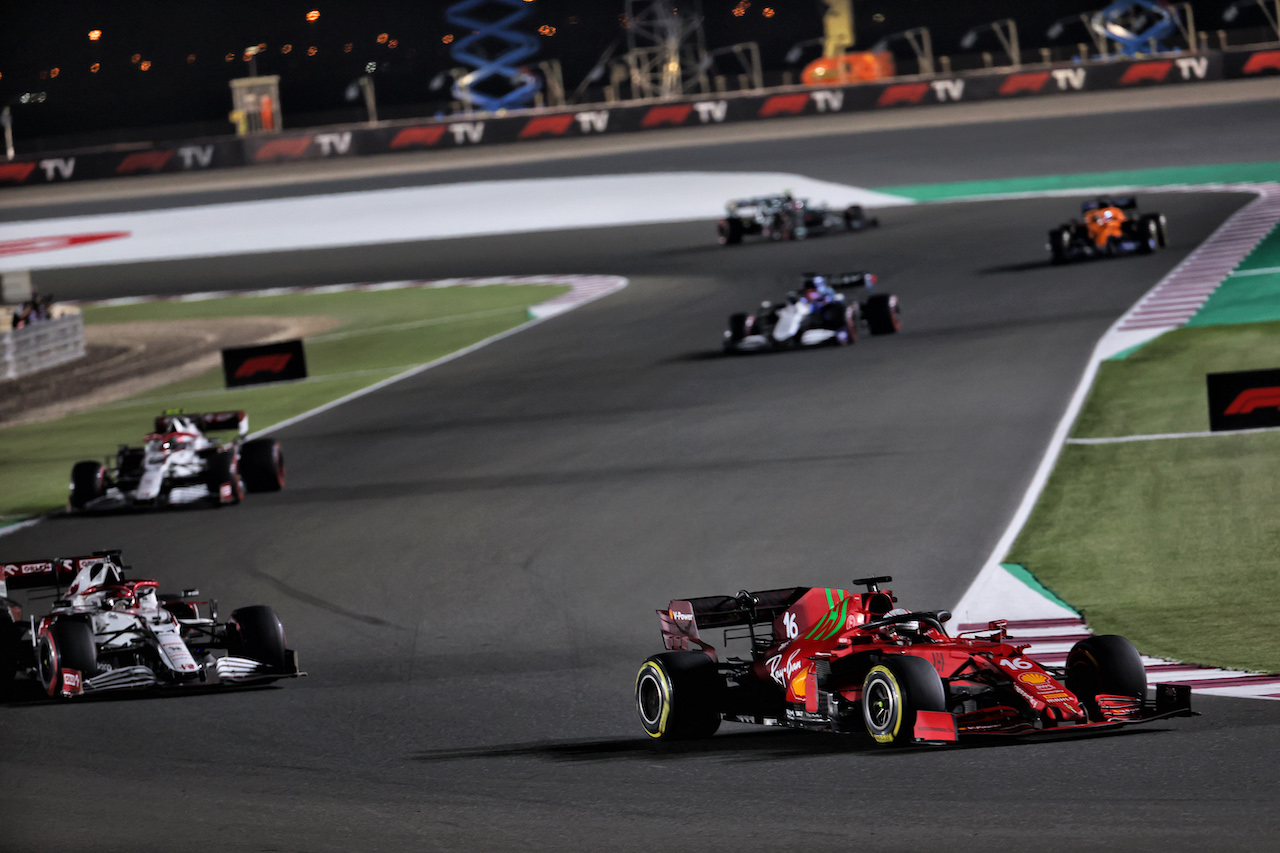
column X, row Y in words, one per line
column 279, row 362
column 1247, row 400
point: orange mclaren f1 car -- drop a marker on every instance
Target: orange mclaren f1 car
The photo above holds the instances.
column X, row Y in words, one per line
column 1108, row 227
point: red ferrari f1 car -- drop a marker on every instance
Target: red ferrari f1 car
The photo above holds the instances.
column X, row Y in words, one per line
column 850, row 662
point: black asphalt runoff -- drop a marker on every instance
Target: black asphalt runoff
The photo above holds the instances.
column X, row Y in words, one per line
column 469, row 561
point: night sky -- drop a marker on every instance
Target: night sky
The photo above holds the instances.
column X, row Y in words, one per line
column 166, row 63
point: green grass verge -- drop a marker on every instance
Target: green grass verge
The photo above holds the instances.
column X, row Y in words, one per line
column 1162, row 541
column 380, row 333
column 1160, row 387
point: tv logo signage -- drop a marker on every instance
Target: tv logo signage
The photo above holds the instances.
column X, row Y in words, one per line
column 277, row 362
column 1246, row 400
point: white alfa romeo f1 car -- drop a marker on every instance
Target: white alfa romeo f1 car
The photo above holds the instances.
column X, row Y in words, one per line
column 179, row 464
column 105, row 632
column 817, row 314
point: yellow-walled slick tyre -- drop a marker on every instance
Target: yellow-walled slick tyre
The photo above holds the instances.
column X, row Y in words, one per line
column 678, row 696
column 893, row 692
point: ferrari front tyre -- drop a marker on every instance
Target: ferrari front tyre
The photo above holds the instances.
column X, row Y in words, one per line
column 65, row 656
column 678, row 696
column 88, row 481
column 882, row 313
column 1106, row 665
column 892, row 693
column 256, row 633
column 262, row 465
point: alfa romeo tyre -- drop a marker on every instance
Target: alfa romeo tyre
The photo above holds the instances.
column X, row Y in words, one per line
column 892, row 693
column 222, row 479
column 262, row 465
column 8, row 647
column 256, row 633
column 730, row 231
column 65, row 649
column 882, row 313
column 88, row 481
column 678, row 696
column 1106, row 665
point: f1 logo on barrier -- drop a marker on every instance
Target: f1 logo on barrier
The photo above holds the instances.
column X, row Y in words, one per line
column 279, row 362
column 1247, row 400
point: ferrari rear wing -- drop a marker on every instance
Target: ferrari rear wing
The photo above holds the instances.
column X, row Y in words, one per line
column 683, row 620
column 54, row 573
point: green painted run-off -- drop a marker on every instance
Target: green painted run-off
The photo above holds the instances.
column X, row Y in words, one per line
column 1227, row 173
column 1020, row 572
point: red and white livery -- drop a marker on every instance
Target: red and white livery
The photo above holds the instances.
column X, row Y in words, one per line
column 106, row 632
column 179, row 463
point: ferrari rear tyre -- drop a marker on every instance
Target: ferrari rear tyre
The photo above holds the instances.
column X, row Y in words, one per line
column 893, row 692
column 88, row 481
column 882, row 313
column 65, row 652
column 730, row 231
column 1105, row 665
column 262, row 465
column 222, row 479
column 256, row 633
column 678, row 696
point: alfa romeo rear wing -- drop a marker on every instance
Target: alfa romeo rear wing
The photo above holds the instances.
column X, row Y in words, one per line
column 54, row 573
column 684, row 619
column 207, row 422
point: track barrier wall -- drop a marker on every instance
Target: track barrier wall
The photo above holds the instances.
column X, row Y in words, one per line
column 465, row 131
column 41, row 345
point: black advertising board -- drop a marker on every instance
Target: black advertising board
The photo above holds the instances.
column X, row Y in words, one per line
column 1245, row 400
column 466, row 131
column 278, row 362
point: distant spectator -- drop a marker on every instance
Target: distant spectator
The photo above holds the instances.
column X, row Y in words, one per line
column 34, row 310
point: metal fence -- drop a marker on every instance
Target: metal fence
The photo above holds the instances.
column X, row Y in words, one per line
column 41, row 345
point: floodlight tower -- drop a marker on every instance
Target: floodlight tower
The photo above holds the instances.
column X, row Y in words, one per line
column 666, row 49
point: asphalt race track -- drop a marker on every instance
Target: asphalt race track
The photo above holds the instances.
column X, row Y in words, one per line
column 469, row 560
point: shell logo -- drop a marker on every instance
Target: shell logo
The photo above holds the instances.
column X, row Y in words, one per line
column 1033, row 678
column 797, row 684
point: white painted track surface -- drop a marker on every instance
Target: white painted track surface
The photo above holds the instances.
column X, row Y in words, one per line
column 413, row 213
